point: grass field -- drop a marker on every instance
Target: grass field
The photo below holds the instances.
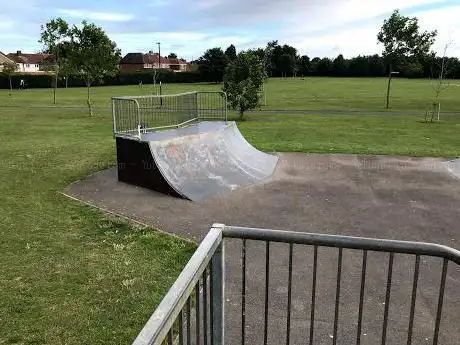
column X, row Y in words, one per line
column 71, row 275
column 358, row 94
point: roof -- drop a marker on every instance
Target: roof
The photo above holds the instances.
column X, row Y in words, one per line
column 176, row 61
column 28, row 58
column 4, row 59
column 149, row 58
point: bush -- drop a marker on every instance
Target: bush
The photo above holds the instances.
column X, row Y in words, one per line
column 47, row 80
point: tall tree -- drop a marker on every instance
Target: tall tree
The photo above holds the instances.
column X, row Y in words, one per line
column 51, row 36
column 268, row 57
column 286, row 64
column 212, row 65
column 325, row 67
column 404, row 44
column 93, row 55
column 304, row 65
column 314, row 65
column 230, row 53
column 402, row 39
column 376, row 66
column 172, row 56
column 243, row 81
column 278, row 58
column 339, row 66
column 9, row 68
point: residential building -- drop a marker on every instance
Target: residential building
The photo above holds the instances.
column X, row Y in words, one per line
column 137, row 62
column 4, row 59
column 31, row 63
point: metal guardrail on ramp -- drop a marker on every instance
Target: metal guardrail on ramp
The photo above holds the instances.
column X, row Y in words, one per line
column 132, row 115
column 195, row 311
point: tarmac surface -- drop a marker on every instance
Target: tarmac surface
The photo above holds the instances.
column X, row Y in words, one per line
column 372, row 196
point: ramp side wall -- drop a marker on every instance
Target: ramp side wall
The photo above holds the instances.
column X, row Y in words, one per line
column 136, row 165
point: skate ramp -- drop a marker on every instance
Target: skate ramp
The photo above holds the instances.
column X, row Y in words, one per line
column 208, row 160
column 202, row 160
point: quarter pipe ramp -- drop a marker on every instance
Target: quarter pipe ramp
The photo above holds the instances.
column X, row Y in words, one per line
column 194, row 162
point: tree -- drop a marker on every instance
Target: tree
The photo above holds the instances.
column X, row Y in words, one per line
column 286, row 64
column 339, row 66
column 93, row 55
column 51, row 36
column 314, row 65
column 402, row 39
column 376, row 66
column 172, row 56
column 243, row 80
column 9, row 68
column 440, row 84
column 324, row 67
column 280, row 63
column 230, row 53
column 212, row 65
column 304, row 65
column 403, row 43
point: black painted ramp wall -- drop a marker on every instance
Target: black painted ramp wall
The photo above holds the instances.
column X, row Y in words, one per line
column 136, row 166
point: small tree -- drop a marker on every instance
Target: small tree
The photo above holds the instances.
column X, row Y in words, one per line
column 51, row 36
column 9, row 68
column 243, row 79
column 93, row 55
column 439, row 86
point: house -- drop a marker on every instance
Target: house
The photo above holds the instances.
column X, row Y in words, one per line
column 137, row 62
column 3, row 60
column 30, row 63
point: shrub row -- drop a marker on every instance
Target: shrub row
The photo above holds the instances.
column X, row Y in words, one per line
column 46, row 80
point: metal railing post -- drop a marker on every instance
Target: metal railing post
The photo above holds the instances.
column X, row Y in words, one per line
column 226, row 106
column 114, row 118
column 218, row 294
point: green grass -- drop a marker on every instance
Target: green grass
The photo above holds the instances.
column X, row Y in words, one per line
column 71, row 275
column 371, row 134
column 357, row 94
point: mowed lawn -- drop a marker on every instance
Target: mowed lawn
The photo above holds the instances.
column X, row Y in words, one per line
column 69, row 274
column 72, row 275
column 354, row 94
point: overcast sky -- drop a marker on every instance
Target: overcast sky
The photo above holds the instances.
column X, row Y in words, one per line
column 189, row 27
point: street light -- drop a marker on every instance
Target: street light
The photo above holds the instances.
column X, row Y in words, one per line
column 159, row 55
column 390, row 75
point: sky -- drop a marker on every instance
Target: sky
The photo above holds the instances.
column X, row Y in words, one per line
column 188, row 28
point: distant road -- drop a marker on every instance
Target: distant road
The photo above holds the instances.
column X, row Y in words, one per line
column 342, row 112
column 263, row 112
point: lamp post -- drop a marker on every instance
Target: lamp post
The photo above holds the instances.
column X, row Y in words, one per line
column 390, row 75
column 159, row 55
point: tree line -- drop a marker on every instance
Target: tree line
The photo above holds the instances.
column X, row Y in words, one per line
column 286, row 62
column 406, row 50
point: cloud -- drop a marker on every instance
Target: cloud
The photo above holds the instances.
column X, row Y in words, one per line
column 314, row 27
column 102, row 16
column 6, row 23
column 445, row 20
column 192, row 44
column 359, row 36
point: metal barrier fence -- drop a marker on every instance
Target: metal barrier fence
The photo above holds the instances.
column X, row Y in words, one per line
column 195, row 311
column 133, row 115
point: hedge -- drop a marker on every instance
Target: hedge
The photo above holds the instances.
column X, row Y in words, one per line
column 47, row 80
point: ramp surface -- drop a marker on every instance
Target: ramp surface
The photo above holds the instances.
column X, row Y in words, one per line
column 206, row 159
column 454, row 167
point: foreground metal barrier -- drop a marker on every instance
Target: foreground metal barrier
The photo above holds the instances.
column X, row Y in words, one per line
column 194, row 310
